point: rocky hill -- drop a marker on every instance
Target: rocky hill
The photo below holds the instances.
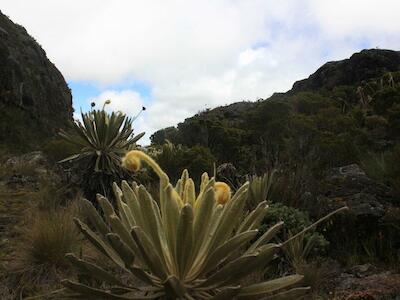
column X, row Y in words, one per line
column 332, row 140
column 360, row 66
column 35, row 101
column 345, row 108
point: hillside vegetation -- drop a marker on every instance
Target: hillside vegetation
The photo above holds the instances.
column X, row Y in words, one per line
column 343, row 111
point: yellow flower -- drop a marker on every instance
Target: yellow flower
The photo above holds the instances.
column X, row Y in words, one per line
column 222, row 192
column 131, row 161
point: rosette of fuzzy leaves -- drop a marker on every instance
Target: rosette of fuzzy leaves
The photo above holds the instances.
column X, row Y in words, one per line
column 185, row 246
column 103, row 138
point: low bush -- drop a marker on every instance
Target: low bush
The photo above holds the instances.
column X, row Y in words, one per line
column 383, row 167
column 295, row 220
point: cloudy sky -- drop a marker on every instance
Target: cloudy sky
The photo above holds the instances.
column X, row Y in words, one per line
column 180, row 57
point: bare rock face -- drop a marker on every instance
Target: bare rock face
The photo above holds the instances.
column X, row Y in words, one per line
column 365, row 197
column 35, row 101
column 372, row 210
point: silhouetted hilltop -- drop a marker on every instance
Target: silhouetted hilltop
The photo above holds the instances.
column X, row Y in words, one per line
column 360, row 66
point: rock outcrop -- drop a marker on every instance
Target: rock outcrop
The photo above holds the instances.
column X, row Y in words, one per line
column 351, row 186
column 373, row 210
column 360, row 66
column 35, row 101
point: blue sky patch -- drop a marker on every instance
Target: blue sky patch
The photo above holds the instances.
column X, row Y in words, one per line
column 82, row 91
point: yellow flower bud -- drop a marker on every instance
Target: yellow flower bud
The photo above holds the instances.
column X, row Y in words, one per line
column 108, row 101
column 222, row 192
column 131, row 161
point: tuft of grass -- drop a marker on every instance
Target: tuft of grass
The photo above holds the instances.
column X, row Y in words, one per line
column 298, row 253
column 48, row 236
column 298, row 249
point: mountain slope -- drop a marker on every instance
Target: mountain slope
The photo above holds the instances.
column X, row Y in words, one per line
column 346, row 108
column 360, row 66
column 35, row 100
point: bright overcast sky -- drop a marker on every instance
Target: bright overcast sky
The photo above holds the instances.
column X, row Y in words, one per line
column 180, row 57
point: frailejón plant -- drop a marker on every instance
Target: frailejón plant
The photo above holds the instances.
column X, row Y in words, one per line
column 103, row 138
column 186, row 246
column 260, row 188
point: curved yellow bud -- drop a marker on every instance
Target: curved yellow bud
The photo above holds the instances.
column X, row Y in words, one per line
column 131, row 162
column 222, row 192
column 108, row 101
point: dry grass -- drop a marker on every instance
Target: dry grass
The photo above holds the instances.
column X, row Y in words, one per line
column 19, row 167
column 48, row 236
column 6, row 293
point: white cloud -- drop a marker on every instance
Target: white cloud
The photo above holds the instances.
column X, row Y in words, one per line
column 198, row 54
column 127, row 101
column 344, row 18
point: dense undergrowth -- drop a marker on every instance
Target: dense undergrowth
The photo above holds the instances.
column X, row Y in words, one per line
column 303, row 135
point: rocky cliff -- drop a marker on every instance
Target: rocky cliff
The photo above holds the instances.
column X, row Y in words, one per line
column 35, row 101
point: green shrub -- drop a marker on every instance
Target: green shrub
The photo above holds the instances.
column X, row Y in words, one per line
column 383, row 167
column 310, row 103
column 374, row 165
column 393, row 118
column 385, row 98
column 295, row 221
column 291, row 183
